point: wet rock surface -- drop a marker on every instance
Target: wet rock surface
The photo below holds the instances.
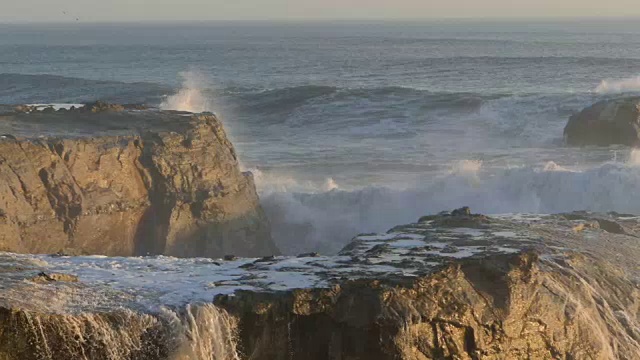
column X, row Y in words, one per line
column 451, row 286
column 607, row 122
column 115, row 180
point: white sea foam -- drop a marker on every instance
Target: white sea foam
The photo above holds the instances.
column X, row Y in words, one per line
column 326, row 220
column 630, row 84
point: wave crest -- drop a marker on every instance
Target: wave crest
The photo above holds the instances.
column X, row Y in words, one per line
column 631, row 84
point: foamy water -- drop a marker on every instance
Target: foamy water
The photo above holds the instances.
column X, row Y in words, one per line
column 631, row 84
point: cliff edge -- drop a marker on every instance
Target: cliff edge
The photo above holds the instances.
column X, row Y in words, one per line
column 116, row 181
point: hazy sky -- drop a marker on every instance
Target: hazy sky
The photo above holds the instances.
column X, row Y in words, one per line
column 149, row 10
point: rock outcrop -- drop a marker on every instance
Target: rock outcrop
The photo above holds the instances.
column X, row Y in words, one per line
column 452, row 286
column 110, row 181
column 606, row 123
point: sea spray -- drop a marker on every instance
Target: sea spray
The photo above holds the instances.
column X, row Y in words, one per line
column 631, row 84
column 191, row 95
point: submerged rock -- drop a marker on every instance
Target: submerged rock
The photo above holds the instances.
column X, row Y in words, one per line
column 110, row 181
column 518, row 287
column 100, row 106
column 607, row 122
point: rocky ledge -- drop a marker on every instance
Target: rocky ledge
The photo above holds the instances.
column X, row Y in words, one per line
column 451, row 286
column 607, row 122
column 121, row 180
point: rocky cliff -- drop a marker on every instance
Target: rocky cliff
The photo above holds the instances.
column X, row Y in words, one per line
column 451, row 286
column 113, row 181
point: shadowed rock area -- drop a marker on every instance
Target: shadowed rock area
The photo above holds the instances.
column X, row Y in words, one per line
column 452, row 286
column 120, row 181
column 607, row 122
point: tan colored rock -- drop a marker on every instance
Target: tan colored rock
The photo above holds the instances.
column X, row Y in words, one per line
column 44, row 278
column 501, row 307
column 174, row 188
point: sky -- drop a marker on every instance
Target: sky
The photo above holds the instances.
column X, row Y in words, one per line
column 203, row 10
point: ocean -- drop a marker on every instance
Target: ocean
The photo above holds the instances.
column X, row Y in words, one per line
column 355, row 127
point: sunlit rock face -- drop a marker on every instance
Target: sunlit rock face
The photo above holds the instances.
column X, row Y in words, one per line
column 121, row 181
column 462, row 286
column 450, row 286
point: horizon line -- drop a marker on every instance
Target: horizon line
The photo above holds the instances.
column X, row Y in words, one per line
column 504, row 19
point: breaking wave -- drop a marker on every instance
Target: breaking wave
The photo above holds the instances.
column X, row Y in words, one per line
column 325, row 219
column 631, row 84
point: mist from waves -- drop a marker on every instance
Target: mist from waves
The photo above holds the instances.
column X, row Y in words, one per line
column 190, row 97
column 325, row 219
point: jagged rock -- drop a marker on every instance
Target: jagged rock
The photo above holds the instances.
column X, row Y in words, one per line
column 462, row 217
column 100, row 106
column 609, row 223
column 607, row 122
column 464, row 211
column 43, row 277
column 508, row 306
column 309, row 255
column 132, row 183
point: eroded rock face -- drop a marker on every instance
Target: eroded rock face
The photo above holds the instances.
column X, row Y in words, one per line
column 502, row 307
column 126, row 183
column 557, row 296
column 451, row 286
column 607, row 122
